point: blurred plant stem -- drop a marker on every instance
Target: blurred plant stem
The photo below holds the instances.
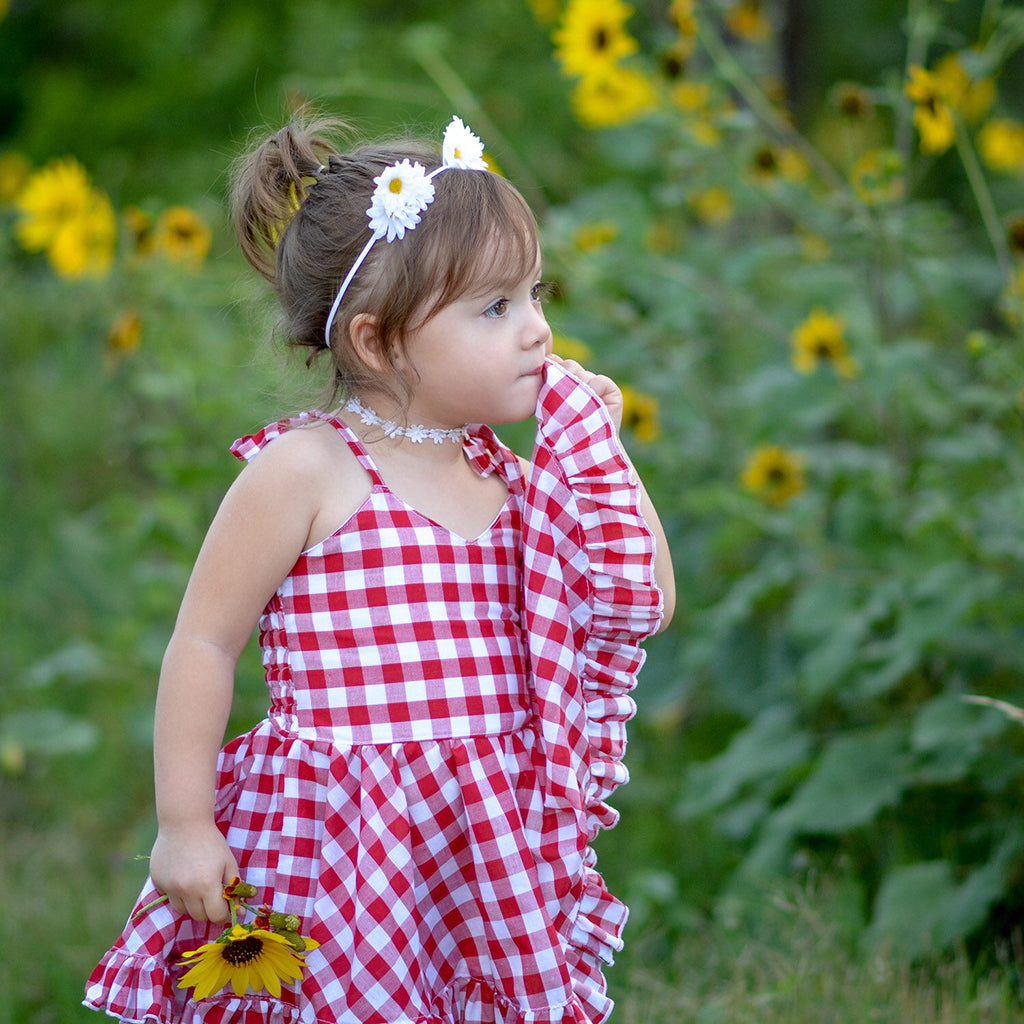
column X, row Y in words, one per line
column 921, row 28
column 982, row 195
column 425, row 44
column 762, row 108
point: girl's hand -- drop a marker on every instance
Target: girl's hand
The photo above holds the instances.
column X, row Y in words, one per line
column 604, row 387
column 191, row 866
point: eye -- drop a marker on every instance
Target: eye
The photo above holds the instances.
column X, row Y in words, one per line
column 497, row 309
column 542, row 291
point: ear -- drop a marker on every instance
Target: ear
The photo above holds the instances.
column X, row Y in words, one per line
column 367, row 342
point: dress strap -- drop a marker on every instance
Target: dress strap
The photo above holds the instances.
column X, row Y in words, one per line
column 246, row 447
column 482, row 447
column 352, row 439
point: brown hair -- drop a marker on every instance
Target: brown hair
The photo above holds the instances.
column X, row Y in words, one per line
column 299, row 210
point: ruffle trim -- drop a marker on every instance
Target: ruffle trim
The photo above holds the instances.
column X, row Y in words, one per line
column 137, row 989
column 590, row 598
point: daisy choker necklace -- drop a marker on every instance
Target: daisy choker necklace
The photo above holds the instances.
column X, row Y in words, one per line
column 416, row 432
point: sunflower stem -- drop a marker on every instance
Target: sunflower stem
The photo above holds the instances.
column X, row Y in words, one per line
column 761, row 106
column 149, row 906
column 982, row 196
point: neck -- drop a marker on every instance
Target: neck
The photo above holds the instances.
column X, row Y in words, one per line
column 415, row 432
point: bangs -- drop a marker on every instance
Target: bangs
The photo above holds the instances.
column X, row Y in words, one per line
column 481, row 236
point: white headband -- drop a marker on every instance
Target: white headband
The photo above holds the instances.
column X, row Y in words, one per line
column 404, row 190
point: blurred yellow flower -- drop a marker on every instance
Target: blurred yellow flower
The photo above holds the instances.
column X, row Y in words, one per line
column 713, row 205
column 691, row 97
column 820, row 338
column 614, row 97
column 774, row 474
column 572, row 348
column 813, row 246
column 594, row 236
column 973, row 99
column 140, row 229
column 933, row 114
column 853, row 101
column 773, row 162
column 877, row 177
column 747, row 20
column 592, row 36
column 14, row 172
column 684, row 15
column 661, row 237
column 1001, row 145
column 640, row 414
column 84, row 246
column 52, row 197
column 125, row 335
column 183, row 236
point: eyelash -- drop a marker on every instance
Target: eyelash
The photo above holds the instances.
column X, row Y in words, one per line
column 541, row 291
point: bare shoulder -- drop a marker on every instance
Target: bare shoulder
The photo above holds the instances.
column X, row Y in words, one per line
column 311, row 473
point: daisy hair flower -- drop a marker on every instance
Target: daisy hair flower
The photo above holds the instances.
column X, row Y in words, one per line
column 461, row 148
column 404, row 190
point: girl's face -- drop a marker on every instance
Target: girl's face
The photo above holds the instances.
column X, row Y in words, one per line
column 480, row 359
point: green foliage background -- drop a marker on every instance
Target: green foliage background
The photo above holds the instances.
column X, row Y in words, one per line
column 804, row 717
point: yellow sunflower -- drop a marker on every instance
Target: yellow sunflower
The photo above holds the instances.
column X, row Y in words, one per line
column 592, row 36
column 821, row 338
column 52, row 197
column 774, row 474
column 246, row 958
column 595, row 235
column 125, row 335
column 614, row 97
column 640, row 414
column 84, row 246
column 933, row 114
column 748, row 20
column 1001, row 144
column 183, row 236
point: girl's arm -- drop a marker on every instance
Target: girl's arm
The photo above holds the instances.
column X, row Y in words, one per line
column 609, row 392
column 260, row 529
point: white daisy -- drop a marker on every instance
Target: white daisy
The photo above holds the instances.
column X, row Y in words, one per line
column 461, row 148
column 403, row 192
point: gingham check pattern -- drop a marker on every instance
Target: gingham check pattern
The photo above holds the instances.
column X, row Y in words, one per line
column 427, row 818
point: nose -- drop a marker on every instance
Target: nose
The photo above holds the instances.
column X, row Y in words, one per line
column 537, row 330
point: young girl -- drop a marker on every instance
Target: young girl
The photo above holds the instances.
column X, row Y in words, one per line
column 448, row 632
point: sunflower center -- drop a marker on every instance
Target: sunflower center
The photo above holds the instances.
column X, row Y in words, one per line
column 600, row 39
column 395, row 185
column 240, row 952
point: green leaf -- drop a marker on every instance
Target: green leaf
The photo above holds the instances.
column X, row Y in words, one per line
column 857, row 775
column 49, row 731
column 769, row 747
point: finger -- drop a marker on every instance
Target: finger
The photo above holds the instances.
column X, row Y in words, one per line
column 195, row 907
column 216, row 908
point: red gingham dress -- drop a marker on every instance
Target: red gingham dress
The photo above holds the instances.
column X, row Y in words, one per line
column 447, row 716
